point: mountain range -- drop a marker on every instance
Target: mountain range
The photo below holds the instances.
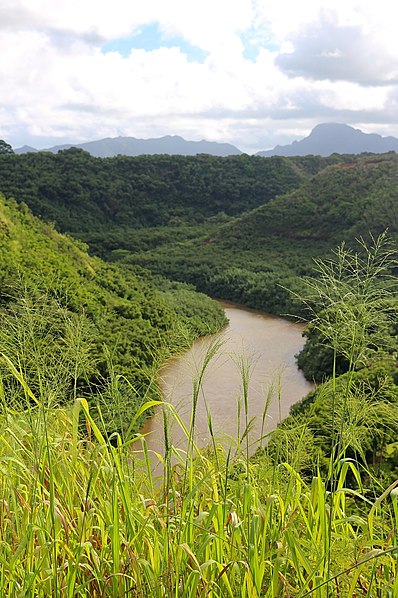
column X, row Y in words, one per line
column 324, row 140
column 131, row 146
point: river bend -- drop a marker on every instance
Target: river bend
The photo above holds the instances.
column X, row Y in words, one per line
column 266, row 346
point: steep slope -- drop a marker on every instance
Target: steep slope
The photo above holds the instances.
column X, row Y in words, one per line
column 62, row 311
column 329, row 138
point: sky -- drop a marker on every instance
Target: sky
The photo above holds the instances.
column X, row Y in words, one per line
column 254, row 73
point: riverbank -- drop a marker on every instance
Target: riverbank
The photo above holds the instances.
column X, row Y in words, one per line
column 254, row 345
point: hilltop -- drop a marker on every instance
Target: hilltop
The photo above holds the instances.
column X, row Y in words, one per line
column 329, row 138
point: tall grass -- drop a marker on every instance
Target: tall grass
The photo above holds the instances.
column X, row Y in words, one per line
column 82, row 516
column 353, row 305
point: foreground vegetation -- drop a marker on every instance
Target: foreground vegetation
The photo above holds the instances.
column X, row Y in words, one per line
column 82, row 514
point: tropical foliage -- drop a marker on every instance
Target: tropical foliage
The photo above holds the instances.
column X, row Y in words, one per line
column 315, row 511
column 72, row 322
column 81, row 515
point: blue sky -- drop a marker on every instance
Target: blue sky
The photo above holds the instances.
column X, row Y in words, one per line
column 254, row 73
column 150, row 38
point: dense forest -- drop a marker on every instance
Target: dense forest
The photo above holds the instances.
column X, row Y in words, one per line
column 103, row 266
column 86, row 194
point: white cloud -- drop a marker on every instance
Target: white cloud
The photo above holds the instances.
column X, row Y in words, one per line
column 326, row 50
column 57, row 83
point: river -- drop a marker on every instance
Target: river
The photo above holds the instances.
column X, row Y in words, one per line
column 264, row 346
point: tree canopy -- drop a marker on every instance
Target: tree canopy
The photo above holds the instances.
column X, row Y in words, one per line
column 5, row 148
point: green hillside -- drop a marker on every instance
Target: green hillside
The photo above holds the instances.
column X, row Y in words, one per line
column 252, row 258
column 340, row 203
column 87, row 322
column 81, row 193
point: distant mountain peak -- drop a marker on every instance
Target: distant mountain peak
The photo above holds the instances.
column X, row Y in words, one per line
column 131, row 146
column 331, row 126
column 335, row 138
column 25, row 149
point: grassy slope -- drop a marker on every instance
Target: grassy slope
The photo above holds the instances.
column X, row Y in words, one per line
column 126, row 325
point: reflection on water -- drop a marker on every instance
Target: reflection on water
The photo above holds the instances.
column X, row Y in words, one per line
column 262, row 345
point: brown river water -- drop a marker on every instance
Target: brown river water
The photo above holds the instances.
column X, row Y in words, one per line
column 266, row 346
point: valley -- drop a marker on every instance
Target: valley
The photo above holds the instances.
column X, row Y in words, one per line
column 109, row 267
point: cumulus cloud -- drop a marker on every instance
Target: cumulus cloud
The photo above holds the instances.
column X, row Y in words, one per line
column 309, row 62
column 326, row 50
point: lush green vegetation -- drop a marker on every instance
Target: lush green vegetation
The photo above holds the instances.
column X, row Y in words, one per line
column 79, row 519
column 104, row 323
column 86, row 194
column 315, row 511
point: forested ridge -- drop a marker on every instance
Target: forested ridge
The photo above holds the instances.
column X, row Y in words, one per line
column 81, row 193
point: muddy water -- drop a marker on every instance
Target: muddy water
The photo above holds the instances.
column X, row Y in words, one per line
column 262, row 345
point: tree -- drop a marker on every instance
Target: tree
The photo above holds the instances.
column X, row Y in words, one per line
column 5, row 148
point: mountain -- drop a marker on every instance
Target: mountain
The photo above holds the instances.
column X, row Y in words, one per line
column 324, row 140
column 131, row 146
column 25, row 149
column 329, row 138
